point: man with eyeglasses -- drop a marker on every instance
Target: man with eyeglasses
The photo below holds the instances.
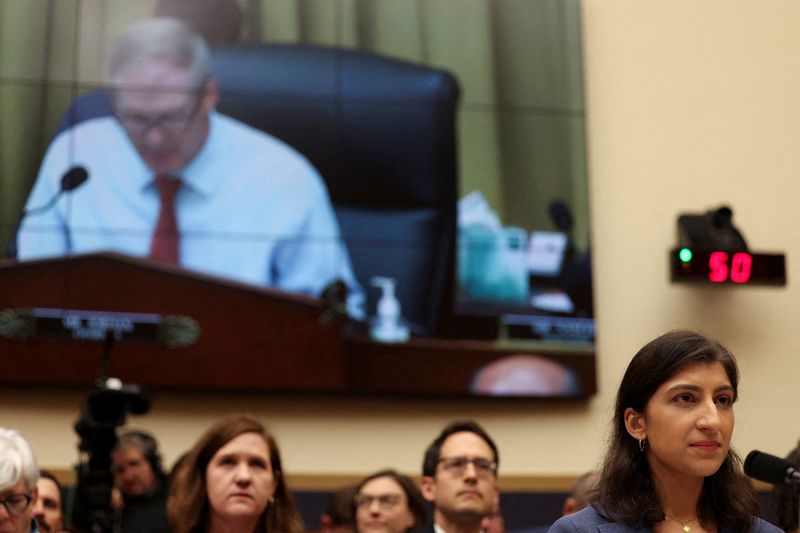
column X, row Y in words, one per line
column 173, row 180
column 459, row 476
column 219, row 22
column 18, row 475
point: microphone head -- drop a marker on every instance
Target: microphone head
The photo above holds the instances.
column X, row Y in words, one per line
column 766, row 467
column 17, row 324
column 176, row 331
column 74, row 178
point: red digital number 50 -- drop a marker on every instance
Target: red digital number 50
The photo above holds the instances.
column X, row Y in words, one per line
column 739, row 270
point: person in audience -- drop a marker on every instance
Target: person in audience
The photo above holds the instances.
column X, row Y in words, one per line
column 189, row 186
column 786, row 498
column 388, row 502
column 49, row 508
column 338, row 516
column 494, row 522
column 525, row 375
column 459, row 477
column 142, row 484
column 18, row 476
column 219, row 22
column 579, row 494
column 232, row 480
column 669, row 465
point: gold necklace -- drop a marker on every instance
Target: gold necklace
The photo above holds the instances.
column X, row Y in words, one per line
column 684, row 523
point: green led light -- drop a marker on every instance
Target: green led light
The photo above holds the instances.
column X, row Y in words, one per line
column 685, row 255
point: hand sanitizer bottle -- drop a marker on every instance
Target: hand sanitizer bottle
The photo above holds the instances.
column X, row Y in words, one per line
column 387, row 326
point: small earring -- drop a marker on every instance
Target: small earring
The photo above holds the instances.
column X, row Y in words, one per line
column 642, row 444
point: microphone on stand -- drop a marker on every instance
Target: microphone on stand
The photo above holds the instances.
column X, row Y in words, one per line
column 765, row 467
column 71, row 180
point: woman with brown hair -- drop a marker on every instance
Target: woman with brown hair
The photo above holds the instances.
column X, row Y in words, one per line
column 232, row 481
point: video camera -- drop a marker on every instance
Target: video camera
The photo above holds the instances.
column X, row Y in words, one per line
column 106, row 409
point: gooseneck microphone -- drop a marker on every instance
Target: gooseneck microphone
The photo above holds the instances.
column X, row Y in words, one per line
column 71, row 180
column 765, row 467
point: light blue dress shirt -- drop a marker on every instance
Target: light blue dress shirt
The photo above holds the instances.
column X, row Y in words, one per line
column 251, row 208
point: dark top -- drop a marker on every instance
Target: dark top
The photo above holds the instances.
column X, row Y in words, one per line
column 146, row 513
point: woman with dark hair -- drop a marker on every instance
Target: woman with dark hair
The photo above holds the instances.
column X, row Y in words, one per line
column 232, row 481
column 669, row 466
column 388, row 502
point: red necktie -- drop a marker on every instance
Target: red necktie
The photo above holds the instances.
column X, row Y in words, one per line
column 166, row 238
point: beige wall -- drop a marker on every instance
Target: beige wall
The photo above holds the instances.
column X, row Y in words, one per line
column 690, row 104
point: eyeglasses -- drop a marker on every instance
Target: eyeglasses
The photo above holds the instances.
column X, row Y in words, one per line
column 385, row 501
column 16, row 504
column 456, row 466
column 174, row 122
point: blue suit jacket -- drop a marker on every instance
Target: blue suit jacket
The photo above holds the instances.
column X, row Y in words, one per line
column 589, row 520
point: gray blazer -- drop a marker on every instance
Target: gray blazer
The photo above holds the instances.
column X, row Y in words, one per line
column 589, row 520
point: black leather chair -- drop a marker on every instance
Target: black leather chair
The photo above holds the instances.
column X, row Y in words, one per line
column 382, row 134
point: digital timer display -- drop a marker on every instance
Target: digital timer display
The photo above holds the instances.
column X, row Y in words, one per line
column 719, row 267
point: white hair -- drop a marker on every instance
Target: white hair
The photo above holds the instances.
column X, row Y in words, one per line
column 163, row 38
column 16, row 460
